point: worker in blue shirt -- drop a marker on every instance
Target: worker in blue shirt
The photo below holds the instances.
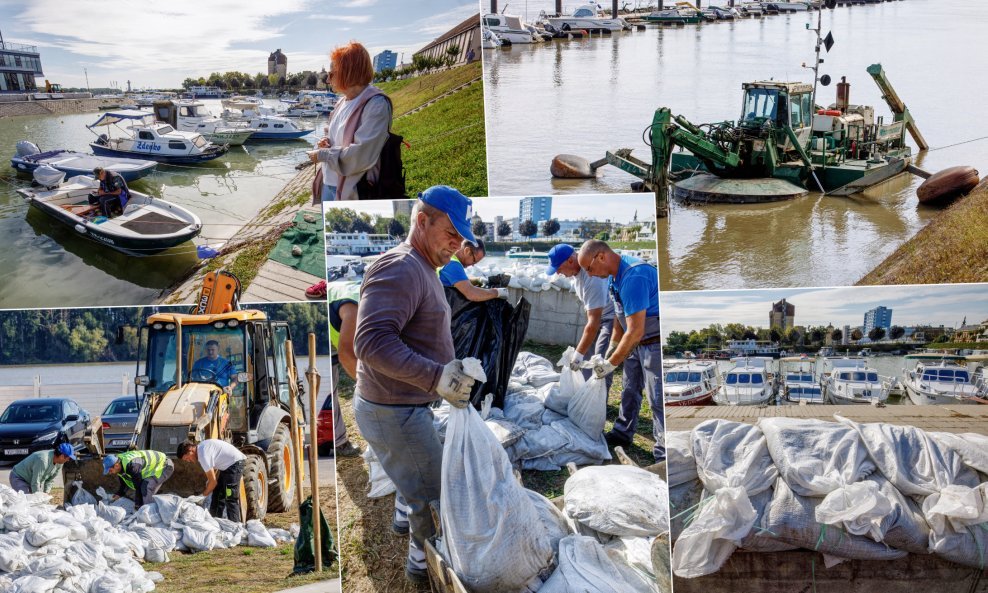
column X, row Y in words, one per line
column 454, row 274
column 216, row 368
column 634, row 288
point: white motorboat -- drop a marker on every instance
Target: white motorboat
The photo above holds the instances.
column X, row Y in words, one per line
column 747, row 384
column 511, row 28
column 941, row 380
column 798, row 382
column 146, row 226
column 788, row 6
column 489, row 39
column 849, row 380
column 586, row 17
column 690, row 384
column 147, row 138
column 191, row 116
column 244, row 111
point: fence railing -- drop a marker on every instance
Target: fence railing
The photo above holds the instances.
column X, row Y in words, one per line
column 93, row 397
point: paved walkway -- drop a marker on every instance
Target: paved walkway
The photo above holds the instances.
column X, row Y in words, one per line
column 332, row 586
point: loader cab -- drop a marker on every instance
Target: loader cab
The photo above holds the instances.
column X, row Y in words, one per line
column 778, row 104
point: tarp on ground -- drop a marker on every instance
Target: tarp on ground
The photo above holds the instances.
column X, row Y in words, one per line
column 309, row 238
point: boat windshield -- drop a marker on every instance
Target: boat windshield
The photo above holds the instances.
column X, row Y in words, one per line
column 799, row 378
column 760, row 104
column 583, row 12
column 199, row 141
column 210, row 355
column 744, row 379
column 162, row 130
column 860, row 376
column 946, row 375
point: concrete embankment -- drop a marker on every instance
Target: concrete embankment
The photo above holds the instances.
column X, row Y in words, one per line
column 953, row 248
column 248, row 250
column 58, row 106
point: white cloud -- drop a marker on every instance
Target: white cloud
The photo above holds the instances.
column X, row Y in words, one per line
column 357, row 3
column 346, row 18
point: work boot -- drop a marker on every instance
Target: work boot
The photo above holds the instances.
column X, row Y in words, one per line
column 416, row 570
column 399, row 523
column 615, row 439
column 347, row 449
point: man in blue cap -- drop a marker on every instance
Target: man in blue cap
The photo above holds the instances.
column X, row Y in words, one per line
column 144, row 472
column 593, row 294
column 37, row 471
column 454, row 274
column 406, row 359
column 634, row 287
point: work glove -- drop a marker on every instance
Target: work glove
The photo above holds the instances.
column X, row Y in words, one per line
column 575, row 361
column 455, row 385
column 603, row 368
column 502, row 293
column 610, row 350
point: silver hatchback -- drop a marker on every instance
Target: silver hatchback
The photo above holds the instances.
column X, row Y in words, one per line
column 119, row 419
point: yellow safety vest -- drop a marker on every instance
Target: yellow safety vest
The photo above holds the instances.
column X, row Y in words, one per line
column 154, row 465
column 336, row 292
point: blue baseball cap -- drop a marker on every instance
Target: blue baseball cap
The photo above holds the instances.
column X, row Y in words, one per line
column 558, row 256
column 457, row 207
column 108, row 462
column 67, row 450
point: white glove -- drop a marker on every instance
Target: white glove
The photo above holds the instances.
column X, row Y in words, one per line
column 575, row 361
column 603, row 368
column 455, row 385
column 610, row 349
column 502, row 293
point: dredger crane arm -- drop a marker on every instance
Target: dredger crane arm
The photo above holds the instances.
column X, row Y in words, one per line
column 896, row 105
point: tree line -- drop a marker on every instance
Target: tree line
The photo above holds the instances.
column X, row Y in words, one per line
column 420, row 63
column 58, row 336
column 236, row 81
column 716, row 336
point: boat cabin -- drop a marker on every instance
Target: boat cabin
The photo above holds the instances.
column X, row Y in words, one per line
column 783, row 104
column 945, row 374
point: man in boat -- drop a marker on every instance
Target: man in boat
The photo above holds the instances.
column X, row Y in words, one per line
column 454, row 274
column 113, row 192
column 144, row 472
column 214, row 367
column 406, row 359
column 634, row 288
column 593, row 294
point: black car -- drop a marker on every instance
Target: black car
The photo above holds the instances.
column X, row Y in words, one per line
column 29, row 425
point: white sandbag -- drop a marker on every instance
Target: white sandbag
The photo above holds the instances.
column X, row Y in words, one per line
column 972, row 447
column 551, row 517
column 147, row 515
column 585, row 566
column 379, row 482
column 791, row 518
column 52, row 566
column 723, row 521
column 198, row 540
column 914, row 462
column 475, row 369
column 34, row 584
column 111, row 514
column 81, row 496
column 492, row 530
column 679, row 457
column 505, row 431
column 759, row 539
column 40, row 534
column 534, row 370
column 109, row 583
column 281, row 535
column 569, row 383
column 524, row 408
column 258, row 536
column 958, row 506
column 167, row 506
column 580, row 448
column 633, row 552
column 538, row 443
column 588, row 407
column 12, row 559
column 17, row 519
column 88, row 554
column 550, row 416
column 620, row 500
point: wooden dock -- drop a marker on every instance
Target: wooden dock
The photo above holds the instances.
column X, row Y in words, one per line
column 277, row 283
column 956, row 419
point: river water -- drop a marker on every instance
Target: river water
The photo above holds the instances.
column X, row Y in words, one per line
column 587, row 96
column 44, row 263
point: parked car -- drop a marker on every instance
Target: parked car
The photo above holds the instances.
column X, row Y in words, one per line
column 119, row 420
column 324, row 428
column 29, row 425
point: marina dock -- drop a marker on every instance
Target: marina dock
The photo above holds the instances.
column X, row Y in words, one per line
column 956, row 419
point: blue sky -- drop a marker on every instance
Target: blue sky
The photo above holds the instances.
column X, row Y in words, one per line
column 158, row 44
column 945, row 304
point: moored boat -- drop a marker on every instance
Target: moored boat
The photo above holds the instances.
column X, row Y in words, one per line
column 585, row 17
column 798, row 381
column 747, row 384
column 512, row 28
column 268, row 126
column 154, row 140
column 72, row 163
column 690, row 384
column 146, row 226
column 191, row 116
column 850, row 380
column 940, row 380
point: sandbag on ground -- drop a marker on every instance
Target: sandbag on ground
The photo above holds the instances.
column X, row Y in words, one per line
column 492, row 530
column 585, row 566
column 792, row 519
column 972, row 447
column 679, row 457
column 618, row 500
column 588, row 408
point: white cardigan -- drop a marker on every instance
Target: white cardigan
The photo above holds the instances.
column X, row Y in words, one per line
column 365, row 151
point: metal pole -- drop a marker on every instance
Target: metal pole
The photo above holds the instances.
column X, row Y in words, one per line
column 297, row 444
column 86, row 72
column 312, row 374
column 614, row 9
column 559, row 6
column 494, row 6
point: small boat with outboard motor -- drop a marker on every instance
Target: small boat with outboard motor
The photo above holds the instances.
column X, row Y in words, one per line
column 145, row 226
column 29, row 157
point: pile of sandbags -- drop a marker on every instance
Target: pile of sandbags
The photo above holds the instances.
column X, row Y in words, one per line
column 849, row 490
column 524, row 276
column 92, row 546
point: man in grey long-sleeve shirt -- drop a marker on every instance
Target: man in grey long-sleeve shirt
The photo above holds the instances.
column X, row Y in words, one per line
column 405, row 356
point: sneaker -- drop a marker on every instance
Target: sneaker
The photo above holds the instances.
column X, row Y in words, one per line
column 347, row 449
column 316, row 291
column 416, row 576
column 399, row 523
column 615, row 439
column 416, row 569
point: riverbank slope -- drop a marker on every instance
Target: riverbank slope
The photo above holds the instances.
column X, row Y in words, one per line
column 952, row 248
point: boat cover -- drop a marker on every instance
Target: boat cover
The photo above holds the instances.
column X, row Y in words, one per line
column 112, row 117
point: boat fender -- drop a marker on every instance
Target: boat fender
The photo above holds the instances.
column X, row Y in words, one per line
column 948, row 184
column 80, row 229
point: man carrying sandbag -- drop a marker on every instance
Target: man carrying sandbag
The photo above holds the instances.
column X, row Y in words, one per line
column 406, row 359
column 634, row 288
column 224, row 466
column 593, row 294
column 144, row 472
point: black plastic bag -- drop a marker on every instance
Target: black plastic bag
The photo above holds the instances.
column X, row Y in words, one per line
column 492, row 332
column 305, row 557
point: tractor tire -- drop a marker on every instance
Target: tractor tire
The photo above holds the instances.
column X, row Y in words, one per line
column 256, row 487
column 283, row 481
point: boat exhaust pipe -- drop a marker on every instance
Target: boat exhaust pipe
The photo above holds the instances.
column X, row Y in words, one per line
column 843, row 94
